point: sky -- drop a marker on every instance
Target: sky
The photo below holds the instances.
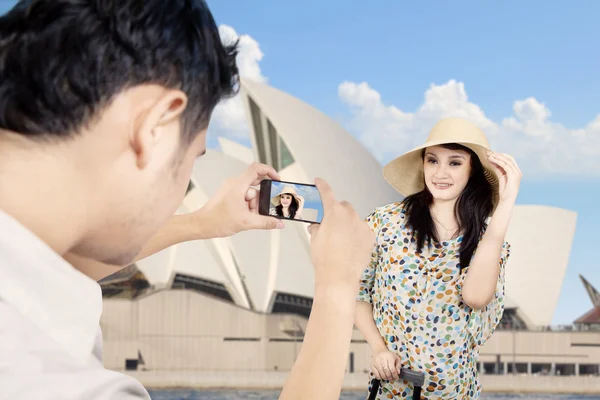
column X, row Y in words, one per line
column 525, row 72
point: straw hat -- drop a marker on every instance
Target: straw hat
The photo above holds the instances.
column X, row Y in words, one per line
column 286, row 190
column 405, row 173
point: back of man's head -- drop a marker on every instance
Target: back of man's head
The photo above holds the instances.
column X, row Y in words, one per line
column 104, row 105
column 62, row 61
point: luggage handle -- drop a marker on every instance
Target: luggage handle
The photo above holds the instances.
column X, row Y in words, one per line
column 415, row 377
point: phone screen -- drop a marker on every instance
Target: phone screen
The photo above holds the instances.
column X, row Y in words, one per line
column 291, row 200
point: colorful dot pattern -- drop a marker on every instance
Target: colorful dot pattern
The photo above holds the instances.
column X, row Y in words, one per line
column 418, row 309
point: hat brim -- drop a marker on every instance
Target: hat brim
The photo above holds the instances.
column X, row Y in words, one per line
column 405, row 173
column 275, row 200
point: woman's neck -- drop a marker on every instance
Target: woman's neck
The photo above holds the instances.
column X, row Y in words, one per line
column 443, row 209
column 444, row 217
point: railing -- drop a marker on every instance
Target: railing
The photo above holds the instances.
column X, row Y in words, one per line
column 554, row 328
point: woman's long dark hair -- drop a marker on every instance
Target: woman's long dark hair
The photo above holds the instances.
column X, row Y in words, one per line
column 293, row 208
column 473, row 207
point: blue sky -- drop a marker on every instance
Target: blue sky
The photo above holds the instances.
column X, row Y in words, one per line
column 526, row 71
column 502, row 50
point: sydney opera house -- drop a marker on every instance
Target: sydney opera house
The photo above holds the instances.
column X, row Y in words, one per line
column 242, row 303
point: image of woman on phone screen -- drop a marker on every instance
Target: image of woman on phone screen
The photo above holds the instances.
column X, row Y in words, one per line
column 287, row 204
column 433, row 292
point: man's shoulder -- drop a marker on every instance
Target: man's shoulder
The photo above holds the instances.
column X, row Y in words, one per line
column 89, row 384
column 25, row 346
column 33, row 366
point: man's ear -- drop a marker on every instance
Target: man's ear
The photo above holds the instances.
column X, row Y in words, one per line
column 154, row 121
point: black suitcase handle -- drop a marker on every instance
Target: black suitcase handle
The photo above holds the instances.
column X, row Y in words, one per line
column 414, row 377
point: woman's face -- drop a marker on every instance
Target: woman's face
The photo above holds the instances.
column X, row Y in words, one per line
column 446, row 171
column 286, row 200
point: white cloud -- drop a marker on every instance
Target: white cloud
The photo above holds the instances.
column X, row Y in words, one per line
column 542, row 147
column 228, row 118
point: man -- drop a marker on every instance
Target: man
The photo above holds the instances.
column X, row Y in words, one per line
column 104, row 107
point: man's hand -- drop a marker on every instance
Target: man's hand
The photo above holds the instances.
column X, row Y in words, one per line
column 234, row 208
column 341, row 246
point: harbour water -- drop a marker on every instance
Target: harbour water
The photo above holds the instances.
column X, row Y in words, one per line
column 273, row 395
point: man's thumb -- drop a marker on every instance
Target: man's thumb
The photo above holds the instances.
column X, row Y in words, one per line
column 264, row 222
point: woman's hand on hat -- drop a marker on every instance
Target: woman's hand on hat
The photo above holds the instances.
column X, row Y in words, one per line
column 234, row 207
column 509, row 175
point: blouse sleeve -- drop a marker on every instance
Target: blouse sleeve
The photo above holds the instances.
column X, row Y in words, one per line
column 367, row 279
column 483, row 323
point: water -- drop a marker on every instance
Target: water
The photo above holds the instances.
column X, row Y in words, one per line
column 273, row 395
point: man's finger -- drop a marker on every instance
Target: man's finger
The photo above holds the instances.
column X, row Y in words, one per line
column 251, row 194
column 325, row 192
column 312, row 228
column 252, row 197
column 257, row 221
column 258, row 180
column 257, row 172
column 347, row 206
column 253, row 205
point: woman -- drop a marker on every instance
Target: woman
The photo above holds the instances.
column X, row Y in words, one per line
column 288, row 204
column 434, row 290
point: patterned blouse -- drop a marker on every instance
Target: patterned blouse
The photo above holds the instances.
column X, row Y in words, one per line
column 418, row 310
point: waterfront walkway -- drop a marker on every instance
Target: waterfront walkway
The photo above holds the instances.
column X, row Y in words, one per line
column 275, row 380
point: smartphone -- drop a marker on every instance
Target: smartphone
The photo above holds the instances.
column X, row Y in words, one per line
column 290, row 201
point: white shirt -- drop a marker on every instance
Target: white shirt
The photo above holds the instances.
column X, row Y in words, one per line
column 50, row 338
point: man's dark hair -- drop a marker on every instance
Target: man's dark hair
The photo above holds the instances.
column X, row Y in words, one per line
column 64, row 61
